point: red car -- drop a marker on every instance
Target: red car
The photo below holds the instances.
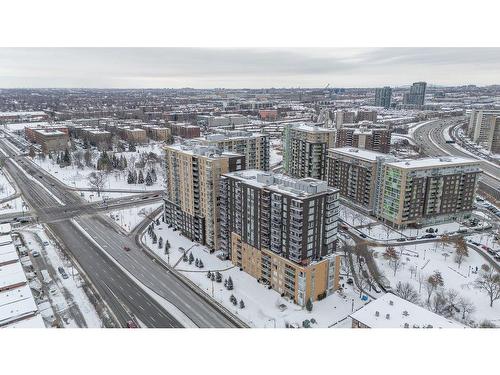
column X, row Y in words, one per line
column 126, row 248
column 131, row 324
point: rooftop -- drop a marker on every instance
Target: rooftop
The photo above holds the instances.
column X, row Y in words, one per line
column 311, row 128
column 438, row 162
column 300, row 188
column 359, row 153
column 391, row 311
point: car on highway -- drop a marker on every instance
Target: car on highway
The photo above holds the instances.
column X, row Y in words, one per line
column 126, row 248
column 497, row 257
column 156, row 195
column 131, row 324
column 144, row 197
column 428, row 236
column 35, row 253
column 401, row 239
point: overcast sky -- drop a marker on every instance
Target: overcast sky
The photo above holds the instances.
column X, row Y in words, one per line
column 245, row 67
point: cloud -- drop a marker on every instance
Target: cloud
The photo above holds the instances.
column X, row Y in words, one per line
column 245, row 67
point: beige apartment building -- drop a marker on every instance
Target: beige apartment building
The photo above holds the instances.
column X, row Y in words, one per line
column 192, row 189
column 305, row 148
column 255, row 146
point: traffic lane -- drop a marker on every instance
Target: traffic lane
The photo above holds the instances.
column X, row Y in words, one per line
column 105, row 273
column 153, row 275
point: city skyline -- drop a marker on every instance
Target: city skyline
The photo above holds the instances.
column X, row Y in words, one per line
column 233, row 68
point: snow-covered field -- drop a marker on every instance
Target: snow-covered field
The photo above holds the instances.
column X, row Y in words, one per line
column 13, row 205
column 78, row 177
column 128, row 218
column 91, row 196
column 262, row 305
column 54, row 256
column 419, row 261
column 6, row 188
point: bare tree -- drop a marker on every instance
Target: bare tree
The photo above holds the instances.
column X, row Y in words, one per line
column 438, row 303
column 432, row 283
column 97, row 180
column 461, row 251
column 407, row 292
column 489, row 282
column 466, row 307
column 393, row 257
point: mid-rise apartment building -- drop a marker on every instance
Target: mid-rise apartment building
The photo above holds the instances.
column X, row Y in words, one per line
column 282, row 231
column 50, row 139
column 484, row 128
column 428, row 190
column 375, row 138
column 355, row 173
column 344, row 117
column 255, row 146
column 363, row 115
column 192, row 189
column 305, row 149
column 185, row 130
column 383, row 97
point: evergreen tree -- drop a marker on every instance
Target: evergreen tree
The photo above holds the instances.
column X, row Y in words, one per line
column 149, row 179
column 160, row 243
column 218, row 277
column 191, row 258
column 67, row 158
column 58, row 160
column 135, row 177
column 130, row 178
column 131, row 147
column 154, row 238
column 153, row 175
column 87, row 156
column 167, row 247
column 242, row 304
column 184, row 258
column 212, row 276
column 233, row 299
column 196, row 262
column 309, row 305
column 229, row 283
column 209, row 275
column 225, row 283
column 200, row 264
column 140, row 179
column 157, row 221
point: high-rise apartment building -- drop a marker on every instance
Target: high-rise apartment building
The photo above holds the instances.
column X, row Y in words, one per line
column 484, row 128
column 305, row 149
column 416, row 96
column 383, row 97
column 355, row 172
column 427, row 190
column 373, row 138
column 192, row 189
column 282, row 231
column 255, row 146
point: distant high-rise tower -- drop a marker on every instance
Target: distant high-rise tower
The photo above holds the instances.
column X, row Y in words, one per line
column 383, row 97
column 416, row 96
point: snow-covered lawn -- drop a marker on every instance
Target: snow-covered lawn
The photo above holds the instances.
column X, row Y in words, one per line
column 54, row 256
column 91, row 196
column 14, row 205
column 419, row 261
column 262, row 305
column 78, row 177
column 128, row 218
column 6, row 188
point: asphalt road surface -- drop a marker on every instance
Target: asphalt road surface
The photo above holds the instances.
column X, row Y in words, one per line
column 114, row 272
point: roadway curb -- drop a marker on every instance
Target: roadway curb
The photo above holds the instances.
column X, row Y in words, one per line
column 84, row 275
column 188, row 282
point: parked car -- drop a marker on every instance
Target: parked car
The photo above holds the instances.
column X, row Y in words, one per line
column 126, row 248
column 131, row 324
column 401, row 239
column 35, row 253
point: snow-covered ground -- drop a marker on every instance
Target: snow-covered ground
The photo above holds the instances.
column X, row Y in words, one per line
column 13, row 205
column 419, row 261
column 91, row 196
column 262, row 305
column 128, row 218
column 6, row 188
column 78, row 177
column 275, row 151
column 55, row 257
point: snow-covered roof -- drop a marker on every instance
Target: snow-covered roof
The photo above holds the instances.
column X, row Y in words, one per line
column 22, row 114
column 7, row 248
column 391, row 311
column 438, row 162
column 11, row 274
column 5, row 228
column 310, row 128
column 299, row 188
column 16, row 304
column 32, row 322
column 5, row 239
column 359, row 153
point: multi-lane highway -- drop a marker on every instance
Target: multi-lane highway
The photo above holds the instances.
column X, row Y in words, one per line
column 431, row 139
column 131, row 284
